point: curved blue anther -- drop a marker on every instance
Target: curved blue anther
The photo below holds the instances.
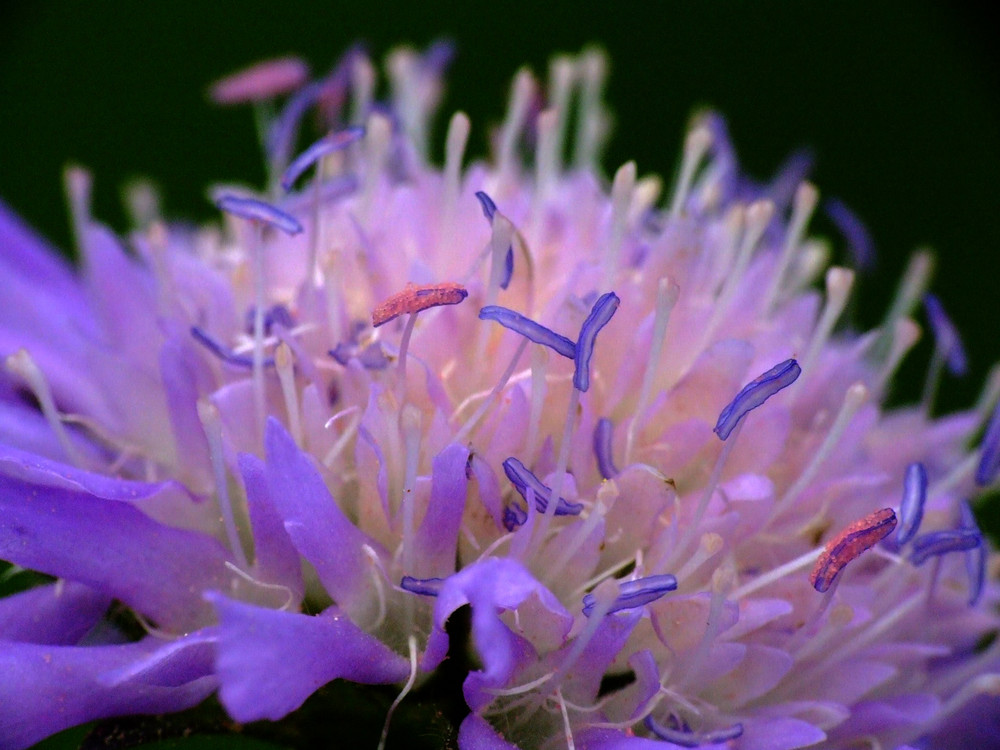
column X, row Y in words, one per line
column 489, row 207
column 975, row 558
column 859, row 241
column 275, row 314
column 514, row 516
column 946, row 335
column 989, row 461
column 937, row 543
column 911, row 508
column 255, row 210
column 523, row 480
column 422, row 586
column 225, row 354
column 632, row 594
column 682, row 736
column 603, row 433
column 756, row 393
column 508, row 268
column 600, row 314
column 529, row 329
column 328, row 144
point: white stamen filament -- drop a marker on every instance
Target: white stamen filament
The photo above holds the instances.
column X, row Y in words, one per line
column 362, row 89
column 539, row 389
column 546, row 165
column 912, row 287
column 412, row 641
column 461, row 435
column 806, row 197
column 591, row 123
column 813, row 257
column 708, row 546
column 289, row 594
column 458, row 137
column 409, row 426
column 679, row 551
column 766, row 579
column 839, row 282
column 404, row 347
column 345, row 437
column 905, row 334
column 260, row 301
column 377, row 144
column 696, row 144
column 290, row 392
column 667, row 293
column 567, row 729
column 586, row 528
column 211, row 421
column 855, row 396
column 378, row 575
column 562, row 71
column 544, row 519
column 622, row 190
column 521, row 93
column 21, row 363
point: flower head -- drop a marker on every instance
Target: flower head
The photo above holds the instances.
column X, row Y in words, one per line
column 293, row 445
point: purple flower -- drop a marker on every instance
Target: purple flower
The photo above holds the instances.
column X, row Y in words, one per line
column 214, row 433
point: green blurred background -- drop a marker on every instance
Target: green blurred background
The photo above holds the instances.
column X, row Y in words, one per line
column 898, row 100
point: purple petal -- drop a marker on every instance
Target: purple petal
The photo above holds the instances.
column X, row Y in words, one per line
column 31, row 260
column 268, row 662
column 436, row 540
column 911, row 508
column 98, row 542
column 529, row 329
column 475, row 733
column 255, row 210
column 49, row 688
column 491, row 586
column 275, row 557
column 59, row 614
column 318, row 528
column 600, row 314
column 779, row 734
column 37, row 470
column 181, row 374
column 756, row 393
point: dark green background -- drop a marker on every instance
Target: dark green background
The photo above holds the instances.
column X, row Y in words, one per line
column 897, row 99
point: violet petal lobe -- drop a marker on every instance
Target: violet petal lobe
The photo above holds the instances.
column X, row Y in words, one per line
column 95, row 541
column 47, row 688
column 58, row 614
column 268, row 662
column 275, row 557
column 490, row 586
column 318, row 528
column 436, row 539
column 475, row 733
column 756, row 393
